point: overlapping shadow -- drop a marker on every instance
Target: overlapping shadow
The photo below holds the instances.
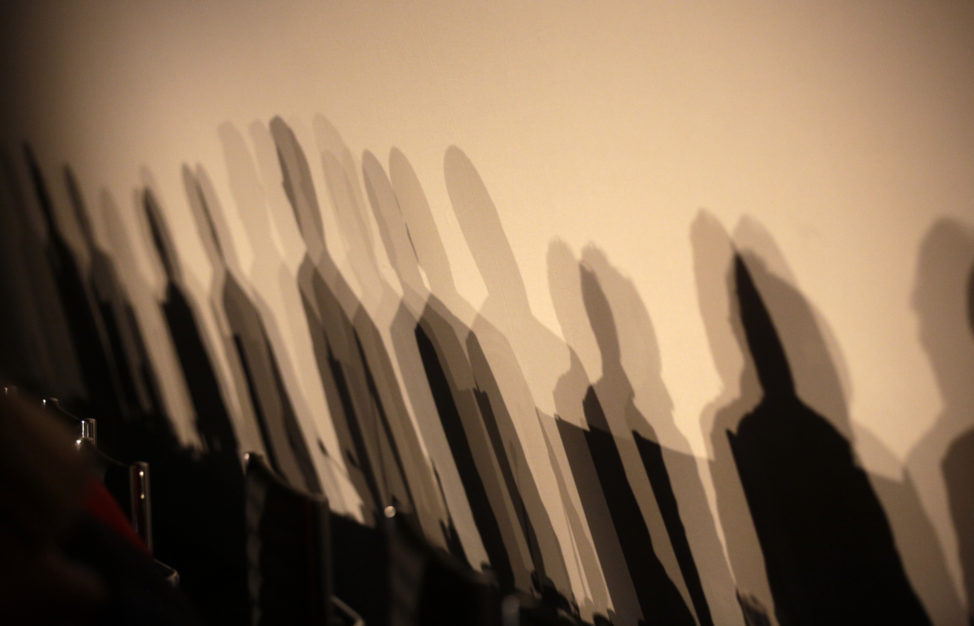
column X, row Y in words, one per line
column 632, row 385
column 438, row 336
column 827, row 546
column 605, row 558
column 409, row 329
column 328, row 327
column 197, row 495
column 657, row 597
column 201, row 197
column 820, row 381
column 402, row 324
column 513, row 357
column 136, row 381
column 84, row 323
column 959, row 477
column 818, row 371
column 941, row 462
column 277, row 244
column 713, row 254
column 589, row 493
column 363, row 433
column 372, row 321
column 38, row 350
column 637, row 581
column 283, row 439
column 212, row 421
column 193, row 495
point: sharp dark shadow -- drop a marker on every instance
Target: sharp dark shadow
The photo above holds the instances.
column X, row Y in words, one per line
column 610, row 399
column 827, row 545
column 632, row 383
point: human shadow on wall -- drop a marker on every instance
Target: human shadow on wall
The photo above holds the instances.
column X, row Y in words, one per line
column 330, row 330
column 364, row 436
column 644, row 414
column 39, row 351
column 197, row 495
column 354, row 338
column 821, row 382
column 501, row 416
column 84, row 323
column 24, row 358
column 540, row 355
column 402, row 326
column 290, row 336
column 606, row 555
column 508, row 345
column 943, row 298
column 958, row 470
column 371, row 322
column 609, row 399
column 155, row 417
column 827, row 546
column 124, row 338
column 274, row 412
column 213, row 421
column 713, row 253
column 439, row 338
column 206, row 211
column 623, row 544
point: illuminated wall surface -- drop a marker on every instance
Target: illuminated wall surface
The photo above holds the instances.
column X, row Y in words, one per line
column 669, row 306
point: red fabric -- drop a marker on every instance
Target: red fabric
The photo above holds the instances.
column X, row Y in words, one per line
column 100, row 504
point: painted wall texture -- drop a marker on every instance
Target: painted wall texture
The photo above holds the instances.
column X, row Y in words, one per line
column 667, row 307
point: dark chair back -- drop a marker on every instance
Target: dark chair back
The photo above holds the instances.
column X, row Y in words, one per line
column 128, row 483
column 288, row 550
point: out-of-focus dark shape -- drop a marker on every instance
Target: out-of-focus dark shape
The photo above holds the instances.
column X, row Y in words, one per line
column 288, row 550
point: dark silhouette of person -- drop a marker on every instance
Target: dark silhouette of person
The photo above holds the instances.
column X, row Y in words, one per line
column 827, row 546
